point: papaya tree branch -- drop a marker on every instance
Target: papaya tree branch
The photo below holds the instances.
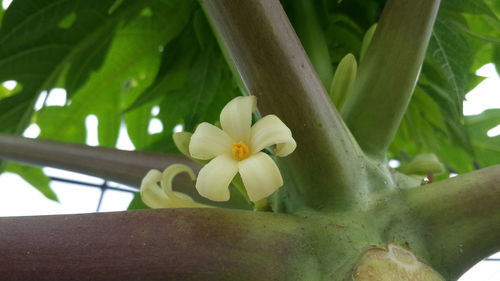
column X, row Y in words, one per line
column 275, row 68
column 127, row 167
column 461, row 219
column 163, row 244
column 388, row 73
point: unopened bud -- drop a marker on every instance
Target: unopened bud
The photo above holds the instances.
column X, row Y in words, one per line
column 423, row 164
column 343, row 80
column 182, row 140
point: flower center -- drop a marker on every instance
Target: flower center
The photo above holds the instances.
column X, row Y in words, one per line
column 240, row 150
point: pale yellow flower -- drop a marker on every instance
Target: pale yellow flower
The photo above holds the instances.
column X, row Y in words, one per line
column 156, row 197
column 237, row 148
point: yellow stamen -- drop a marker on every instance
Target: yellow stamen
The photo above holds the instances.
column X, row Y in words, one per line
column 240, row 150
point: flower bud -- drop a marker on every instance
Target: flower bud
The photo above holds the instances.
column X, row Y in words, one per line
column 181, row 140
column 343, row 80
column 423, row 164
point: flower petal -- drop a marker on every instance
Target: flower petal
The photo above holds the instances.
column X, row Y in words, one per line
column 169, row 175
column 155, row 197
column 215, row 177
column 236, row 117
column 260, row 176
column 151, row 194
column 209, row 141
column 271, row 130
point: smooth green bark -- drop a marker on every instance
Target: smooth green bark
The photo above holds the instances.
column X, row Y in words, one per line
column 388, row 73
column 460, row 218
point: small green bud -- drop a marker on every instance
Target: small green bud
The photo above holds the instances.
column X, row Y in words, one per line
column 343, row 80
column 423, row 164
column 367, row 39
column 182, row 140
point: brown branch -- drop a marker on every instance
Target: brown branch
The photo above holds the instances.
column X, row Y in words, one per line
column 127, row 167
column 275, row 68
column 166, row 244
column 460, row 219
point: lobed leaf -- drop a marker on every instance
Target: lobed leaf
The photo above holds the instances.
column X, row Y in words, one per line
column 33, row 176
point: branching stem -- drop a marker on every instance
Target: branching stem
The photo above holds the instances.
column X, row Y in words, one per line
column 461, row 219
column 388, row 73
column 275, row 68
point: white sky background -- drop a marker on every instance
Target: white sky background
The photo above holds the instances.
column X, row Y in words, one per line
column 18, row 198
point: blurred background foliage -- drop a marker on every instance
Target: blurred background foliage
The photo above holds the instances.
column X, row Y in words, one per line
column 120, row 59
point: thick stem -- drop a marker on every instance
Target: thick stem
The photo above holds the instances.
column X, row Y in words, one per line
column 275, row 68
column 127, row 167
column 461, row 219
column 167, row 244
column 388, row 73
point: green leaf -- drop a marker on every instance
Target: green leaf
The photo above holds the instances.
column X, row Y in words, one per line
column 202, row 29
column 137, row 126
column 129, row 68
column 38, row 44
column 343, row 36
column 425, row 130
column 202, row 84
column 13, row 117
column 136, row 203
column 176, row 61
column 467, row 6
column 35, row 177
column 487, row 149
column 53, row 124
column 496, row 59
column 2, row 12
column 450, row 52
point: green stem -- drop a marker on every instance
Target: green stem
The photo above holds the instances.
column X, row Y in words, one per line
column 127, row 167
column 164, row 244
column 460, row 219
column 275, row 68
column 388, row 73
column 313, row 39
